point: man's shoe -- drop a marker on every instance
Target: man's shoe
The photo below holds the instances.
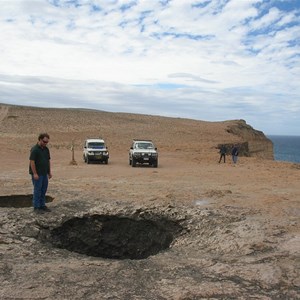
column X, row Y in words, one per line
column 38, row 211
column 45, row 209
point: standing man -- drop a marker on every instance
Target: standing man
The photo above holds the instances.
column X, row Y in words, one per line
column 223, row 152
column 40, row 170
column 235, row 153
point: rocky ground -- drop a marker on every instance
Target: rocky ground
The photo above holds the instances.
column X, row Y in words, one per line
column 190, row 229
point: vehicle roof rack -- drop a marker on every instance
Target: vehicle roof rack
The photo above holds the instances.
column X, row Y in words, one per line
column 144, row 140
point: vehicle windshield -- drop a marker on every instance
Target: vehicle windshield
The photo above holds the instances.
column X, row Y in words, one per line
column 144, row 146
column 96, row 145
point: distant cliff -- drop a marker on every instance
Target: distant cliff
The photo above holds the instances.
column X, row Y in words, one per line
column 253, row 142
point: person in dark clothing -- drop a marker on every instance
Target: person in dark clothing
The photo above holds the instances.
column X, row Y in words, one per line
column 235, row 153
column 223, row 152
column 40, row 171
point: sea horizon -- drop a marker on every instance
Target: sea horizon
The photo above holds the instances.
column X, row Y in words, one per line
column 286, row 147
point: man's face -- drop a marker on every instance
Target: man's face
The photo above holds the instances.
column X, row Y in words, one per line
column 44, row 142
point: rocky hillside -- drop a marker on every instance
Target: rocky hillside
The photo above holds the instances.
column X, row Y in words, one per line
column 254, row 143
column 118, row 129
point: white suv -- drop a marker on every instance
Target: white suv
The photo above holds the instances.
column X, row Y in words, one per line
column 95, row 150
column 143, row 152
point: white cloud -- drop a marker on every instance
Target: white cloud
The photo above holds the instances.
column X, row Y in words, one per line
column 219, row 59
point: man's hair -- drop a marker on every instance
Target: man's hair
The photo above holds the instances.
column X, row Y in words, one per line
column 43, row 135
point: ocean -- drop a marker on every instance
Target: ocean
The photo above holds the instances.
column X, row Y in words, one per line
column 286, row 148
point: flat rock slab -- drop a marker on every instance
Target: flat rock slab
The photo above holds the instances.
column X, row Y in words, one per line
column 227, row 253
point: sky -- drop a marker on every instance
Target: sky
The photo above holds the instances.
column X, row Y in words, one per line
column 206, row 60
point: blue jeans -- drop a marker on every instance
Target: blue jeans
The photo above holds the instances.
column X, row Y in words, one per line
column 40, row 187
column 234, row 159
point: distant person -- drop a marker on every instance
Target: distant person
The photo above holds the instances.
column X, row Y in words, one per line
column 223, row 152
column 235, row 153
column 40, row 170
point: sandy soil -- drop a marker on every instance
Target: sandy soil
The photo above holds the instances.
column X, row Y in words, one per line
column 188, row 176
column 268, row 186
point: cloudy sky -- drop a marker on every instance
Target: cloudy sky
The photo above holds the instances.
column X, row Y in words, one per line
column 207, row 60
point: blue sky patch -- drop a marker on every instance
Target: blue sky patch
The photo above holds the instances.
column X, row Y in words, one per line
column 124, row 54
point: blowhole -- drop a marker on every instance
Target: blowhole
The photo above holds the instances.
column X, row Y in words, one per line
column 19, row 201
column 115, row 237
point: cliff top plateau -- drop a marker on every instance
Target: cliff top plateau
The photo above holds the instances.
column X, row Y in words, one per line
column 192, row 228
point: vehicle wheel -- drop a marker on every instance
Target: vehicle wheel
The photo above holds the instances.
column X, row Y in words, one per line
column 133, row 162
column 84, row 158
column 88, row 160
column 130, row 162
column 155, row 164
column 106, row 161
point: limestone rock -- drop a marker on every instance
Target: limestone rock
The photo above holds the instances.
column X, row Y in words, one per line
column 253, row 142
column 208, row 257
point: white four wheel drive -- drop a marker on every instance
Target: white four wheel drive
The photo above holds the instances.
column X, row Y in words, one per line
column 95, row 150
column 143, row 152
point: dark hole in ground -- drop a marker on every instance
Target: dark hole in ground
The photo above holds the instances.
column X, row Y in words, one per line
column 115, row 237
column 19, row 201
